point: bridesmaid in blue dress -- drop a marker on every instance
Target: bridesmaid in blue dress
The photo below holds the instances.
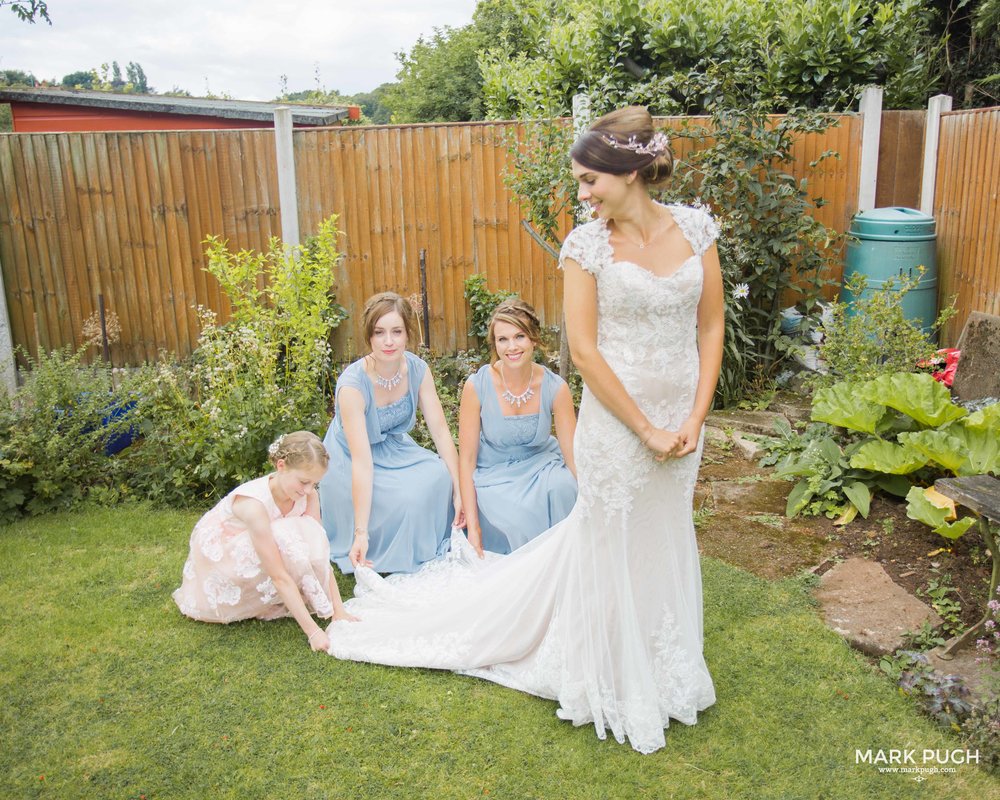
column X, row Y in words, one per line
column 386, row 502
column 517, row 479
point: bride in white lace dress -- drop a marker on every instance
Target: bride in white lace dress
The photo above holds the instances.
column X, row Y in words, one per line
column 602, row 612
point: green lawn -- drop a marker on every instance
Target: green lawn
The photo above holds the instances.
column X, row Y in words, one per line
column 108, row 692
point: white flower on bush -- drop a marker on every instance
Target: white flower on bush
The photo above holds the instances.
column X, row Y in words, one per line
column 741, row 291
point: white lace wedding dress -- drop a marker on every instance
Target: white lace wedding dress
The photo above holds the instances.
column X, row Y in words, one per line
column 602, row 612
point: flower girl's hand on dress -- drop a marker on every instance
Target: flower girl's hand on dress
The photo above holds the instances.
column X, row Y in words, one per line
column 475, row 537
column 319, row 641
column 343, row 614
column 689, row 434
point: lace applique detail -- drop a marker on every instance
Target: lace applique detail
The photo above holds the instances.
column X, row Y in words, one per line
column 219, row 591
column 520, row 430
column 267, row 590
column 188, row 571
column 246, row 562
column 588, row 246
column 316, row 596
column 698, row 225
column 394, row 414
column 211, row 543
column 292, row 547
column 683, row 688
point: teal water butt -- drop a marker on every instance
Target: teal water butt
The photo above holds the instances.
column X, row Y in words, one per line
column 888, row 243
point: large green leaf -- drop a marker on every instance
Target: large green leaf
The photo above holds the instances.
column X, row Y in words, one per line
column 986, row 418
column 917, row 395
column 953, row 530
column 881, row 456
column 841, row 405
column 860, row 495
column 941, row 447
column 981, row 447
column 918, row 507
column 798, row 498
column 893, row 484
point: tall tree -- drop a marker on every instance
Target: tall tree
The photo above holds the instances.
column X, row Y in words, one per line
column 28, row 10
column 81, row 79
column 440, row 78
column 137, row 77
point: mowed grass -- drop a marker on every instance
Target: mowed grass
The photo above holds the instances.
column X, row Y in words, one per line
column 108, row 692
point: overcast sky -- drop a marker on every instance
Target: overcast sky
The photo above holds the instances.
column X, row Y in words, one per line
column 237, row 47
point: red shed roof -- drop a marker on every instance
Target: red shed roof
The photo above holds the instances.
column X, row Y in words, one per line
column 42, row 109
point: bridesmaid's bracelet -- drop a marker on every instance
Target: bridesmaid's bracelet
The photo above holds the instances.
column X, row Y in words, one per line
column 361, row 531
column 310, row 637
column 650, row 436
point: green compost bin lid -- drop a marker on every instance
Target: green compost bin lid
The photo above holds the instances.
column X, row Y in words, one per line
column 894, row 224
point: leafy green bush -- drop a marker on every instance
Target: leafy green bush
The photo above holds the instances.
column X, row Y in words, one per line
column 871, row 336
column 482, row 303
column 769, row 239
column 53, row 435
column 207, row 423
column 903, row 432
column 787, row 52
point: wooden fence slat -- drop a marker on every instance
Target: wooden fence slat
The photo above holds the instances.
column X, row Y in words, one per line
column 126, row 214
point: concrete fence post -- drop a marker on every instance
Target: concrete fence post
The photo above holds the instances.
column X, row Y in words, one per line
column 936, row 106
column 287, row 196
column 871, row 131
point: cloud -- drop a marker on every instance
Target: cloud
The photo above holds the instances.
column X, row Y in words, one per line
column 240, row 47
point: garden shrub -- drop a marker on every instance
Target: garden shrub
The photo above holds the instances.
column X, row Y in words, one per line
column 902, row 432
column 207, row 423
column 482, row 303
column 53, row 435
column 871, row 336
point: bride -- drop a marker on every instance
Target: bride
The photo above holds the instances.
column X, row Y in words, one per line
column 602, row 612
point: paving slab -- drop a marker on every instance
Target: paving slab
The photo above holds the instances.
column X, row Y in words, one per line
column 761, row 422
column 864, row 605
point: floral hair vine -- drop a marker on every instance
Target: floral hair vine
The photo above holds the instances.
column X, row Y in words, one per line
column 656, row 146
column 275, row 447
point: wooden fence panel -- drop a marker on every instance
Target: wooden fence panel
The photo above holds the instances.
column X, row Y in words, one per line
column 126, row 214
column 967, row 209
column 900, row 159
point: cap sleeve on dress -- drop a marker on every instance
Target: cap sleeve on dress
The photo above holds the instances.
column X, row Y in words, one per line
column 353, row 377
column 588, row 246
column 699, row 226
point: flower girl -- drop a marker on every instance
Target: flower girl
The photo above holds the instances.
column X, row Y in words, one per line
column 262, row 552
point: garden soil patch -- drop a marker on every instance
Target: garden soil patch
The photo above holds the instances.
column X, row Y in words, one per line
column 740, row 512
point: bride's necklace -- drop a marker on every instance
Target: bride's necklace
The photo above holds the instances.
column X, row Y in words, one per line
column 642, row 244
column 387, row 383
column 516, row 400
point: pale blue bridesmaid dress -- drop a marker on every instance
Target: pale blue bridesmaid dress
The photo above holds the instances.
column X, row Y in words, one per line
column 412, row 511
column 523, row 486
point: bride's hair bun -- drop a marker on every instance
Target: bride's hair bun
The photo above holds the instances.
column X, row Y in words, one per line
column 625, row 141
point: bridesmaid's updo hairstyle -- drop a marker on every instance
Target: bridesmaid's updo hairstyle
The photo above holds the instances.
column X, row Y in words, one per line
column 625, row 141
column 521, row 315
column 299, row 449
column 378, row 305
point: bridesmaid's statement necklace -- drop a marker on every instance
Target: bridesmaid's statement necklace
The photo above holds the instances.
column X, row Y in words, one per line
column 516, row 400
column 387, row 383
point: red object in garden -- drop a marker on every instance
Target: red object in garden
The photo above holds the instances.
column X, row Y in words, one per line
column 942, row 366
